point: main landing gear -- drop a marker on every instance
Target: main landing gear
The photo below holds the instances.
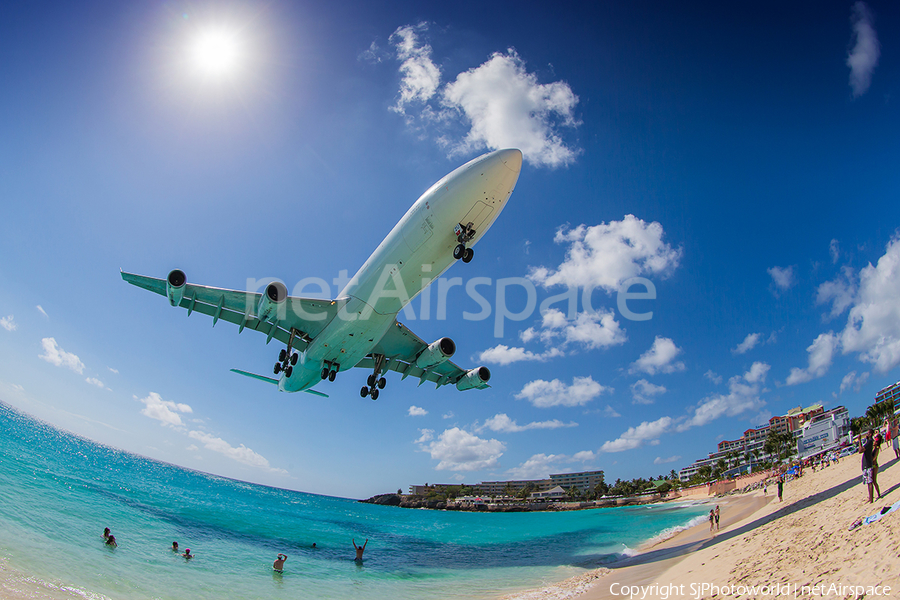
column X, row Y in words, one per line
column 374, row 382
column 464, row 235
column 286, row 357
column 330, row 370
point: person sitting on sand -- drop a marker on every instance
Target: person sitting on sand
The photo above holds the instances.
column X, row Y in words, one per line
column 174, row 546
column 359, row 550
column 111, row 541
column 187, row 554
column 278, row 565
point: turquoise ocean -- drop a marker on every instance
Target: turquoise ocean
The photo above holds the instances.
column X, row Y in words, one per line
column 58, row 491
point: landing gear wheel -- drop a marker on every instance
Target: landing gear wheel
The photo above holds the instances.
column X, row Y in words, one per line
column 331, row 375
column 467, row 255
column 381, row 383
column 294, row 359
column 371, row 380
column 325, row 372
column 277, row 368
column 364, row 391
column 288, row 371
column 282, row 355
column 374, row 393
column 459, row 251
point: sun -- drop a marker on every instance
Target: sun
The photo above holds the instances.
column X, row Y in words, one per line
column 216, row 53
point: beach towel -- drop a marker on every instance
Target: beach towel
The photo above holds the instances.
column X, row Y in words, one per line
column 884, row 511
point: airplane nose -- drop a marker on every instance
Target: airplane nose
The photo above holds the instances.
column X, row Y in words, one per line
column 512, row 158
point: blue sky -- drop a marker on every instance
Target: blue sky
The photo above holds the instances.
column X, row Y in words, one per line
column 742, row 160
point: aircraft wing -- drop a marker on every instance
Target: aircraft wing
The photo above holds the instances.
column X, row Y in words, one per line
column 238, row 307
column 401, row 347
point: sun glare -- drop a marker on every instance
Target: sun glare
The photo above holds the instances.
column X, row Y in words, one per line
column 216, row 53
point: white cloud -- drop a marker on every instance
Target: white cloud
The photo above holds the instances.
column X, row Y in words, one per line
column 95, row 381
column 536, row 467
column 42, row 311
column 425, row 435
column 241, row 454
column 660, row 358
column 743, row 395
column 545, row 394
column 507, row 108
column 505, row 355
column 610, row 412
column 662, row 461
column 55, row 355
column 863, row 57
column 116, row 371
column 448, row 415
column 8, row 323
column 421, row 77
column 608, row 254
column 834, row 248
column 642, row 391
column 502, row 423
column 782, row 277
column 635, row 437
column 851, row 380
column 416, row 411
column 713, row 376
column 539, row 466
column 750, row 342
column 821, row 354
column 873, row 326
column 459, row 450
column 839, row 292
column 164, row 411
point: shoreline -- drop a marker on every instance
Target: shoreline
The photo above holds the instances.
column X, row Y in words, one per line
column 799, row 548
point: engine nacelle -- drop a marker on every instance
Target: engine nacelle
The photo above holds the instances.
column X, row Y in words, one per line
column 436, row 353
column 176, row 282
column 272, row 301
column 476, row 379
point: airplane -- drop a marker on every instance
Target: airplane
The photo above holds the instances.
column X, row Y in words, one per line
column 359, row 328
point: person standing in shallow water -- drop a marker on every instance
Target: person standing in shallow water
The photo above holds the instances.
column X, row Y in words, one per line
column 359, row 550
column 278, row 565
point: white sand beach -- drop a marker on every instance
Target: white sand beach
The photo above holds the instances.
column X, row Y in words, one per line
column 798, row 548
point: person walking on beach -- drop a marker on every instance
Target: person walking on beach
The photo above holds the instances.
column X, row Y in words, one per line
column 895, row 441
column 780, row 488
column 712, row 516
column 867, row 449
column 278, row 565
column 717, row 517
column 359, row 549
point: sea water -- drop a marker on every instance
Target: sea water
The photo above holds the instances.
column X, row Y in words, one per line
column 58, row 491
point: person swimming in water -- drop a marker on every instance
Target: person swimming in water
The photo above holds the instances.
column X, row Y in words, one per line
column 187, row 554
column 278, row 565
column 111, row 541
column 174, row 546
column 359, row 550
column 106, row 533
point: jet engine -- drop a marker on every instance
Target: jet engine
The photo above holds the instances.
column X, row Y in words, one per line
column 436, row 353
column 175, row 284
column 475, row 379
column 271, row 301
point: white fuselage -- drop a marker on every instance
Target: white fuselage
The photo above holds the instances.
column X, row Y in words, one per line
column 417, row 251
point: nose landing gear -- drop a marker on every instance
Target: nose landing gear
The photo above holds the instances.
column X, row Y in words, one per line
column 464, row 235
